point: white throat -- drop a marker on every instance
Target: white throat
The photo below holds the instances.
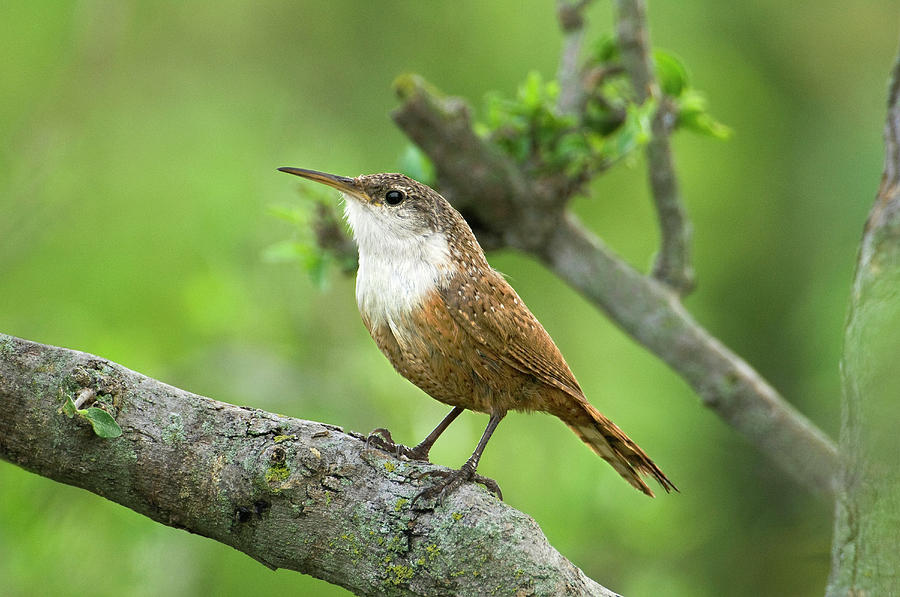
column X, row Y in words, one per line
column 398, row 269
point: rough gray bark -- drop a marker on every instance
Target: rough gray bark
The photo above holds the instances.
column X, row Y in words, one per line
column 508, row 208
column 865, row 553
column 290, row 493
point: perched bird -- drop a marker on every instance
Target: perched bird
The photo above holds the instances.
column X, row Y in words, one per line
column 453, row 326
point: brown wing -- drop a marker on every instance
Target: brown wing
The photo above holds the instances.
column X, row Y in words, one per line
column 486, row 307
column 493, row 315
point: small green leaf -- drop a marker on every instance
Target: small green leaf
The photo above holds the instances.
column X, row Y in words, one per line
column 671, row 72
column 286, row 251
column 102, row 422
column 68, row 407
column 316, row 265
column 705, row 124
column 633, row 134
column 307, row 254
column 551, row 91
column 693, row 116
column 530, row 91
column 289, row 213
column 606, row 49
column 415, row 164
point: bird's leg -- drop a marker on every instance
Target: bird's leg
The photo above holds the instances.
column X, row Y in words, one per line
column 452, row 480
column 420, row 452
column 381, row 438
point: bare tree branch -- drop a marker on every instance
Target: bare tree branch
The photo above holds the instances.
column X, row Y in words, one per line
column 290, row 493
column 571, row 86
column 865, row 559
column 507, row 209
column 725, row 382
column 673, row 262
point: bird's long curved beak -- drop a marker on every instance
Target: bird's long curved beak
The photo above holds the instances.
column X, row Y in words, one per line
column 341, row 183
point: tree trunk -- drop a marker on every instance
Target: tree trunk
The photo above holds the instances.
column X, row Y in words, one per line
column 866, row 549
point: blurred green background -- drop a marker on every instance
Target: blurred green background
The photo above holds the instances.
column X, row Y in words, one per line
column 139, row 147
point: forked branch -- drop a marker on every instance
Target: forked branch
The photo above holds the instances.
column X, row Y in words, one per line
column 673, row 262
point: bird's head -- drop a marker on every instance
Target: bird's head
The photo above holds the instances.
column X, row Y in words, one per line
column 389, row 209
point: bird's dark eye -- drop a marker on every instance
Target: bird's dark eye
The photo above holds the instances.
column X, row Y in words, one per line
column 394, row 197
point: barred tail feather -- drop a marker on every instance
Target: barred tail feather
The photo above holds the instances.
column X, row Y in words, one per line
column 616, row 448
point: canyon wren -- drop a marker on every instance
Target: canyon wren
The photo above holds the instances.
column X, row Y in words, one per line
column 453, row 326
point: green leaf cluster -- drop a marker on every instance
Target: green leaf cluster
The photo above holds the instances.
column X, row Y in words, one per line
column 690, row 104
column 531, row 130
column 609, row 127
column 674, row 82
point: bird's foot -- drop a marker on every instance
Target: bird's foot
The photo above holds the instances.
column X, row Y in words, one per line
column 381, row 439
column 450, row 481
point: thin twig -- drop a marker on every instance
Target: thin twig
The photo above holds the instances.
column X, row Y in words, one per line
column 83, row 396
column 568, row 75
column 673, row 263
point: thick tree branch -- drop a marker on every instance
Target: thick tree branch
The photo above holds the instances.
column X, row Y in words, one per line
column 290, row 493
column 673, row 262
column 507, row 209
column 865, row 559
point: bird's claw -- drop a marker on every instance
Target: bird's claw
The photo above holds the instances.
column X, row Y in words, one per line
column 453, row 480
column 381, row 438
